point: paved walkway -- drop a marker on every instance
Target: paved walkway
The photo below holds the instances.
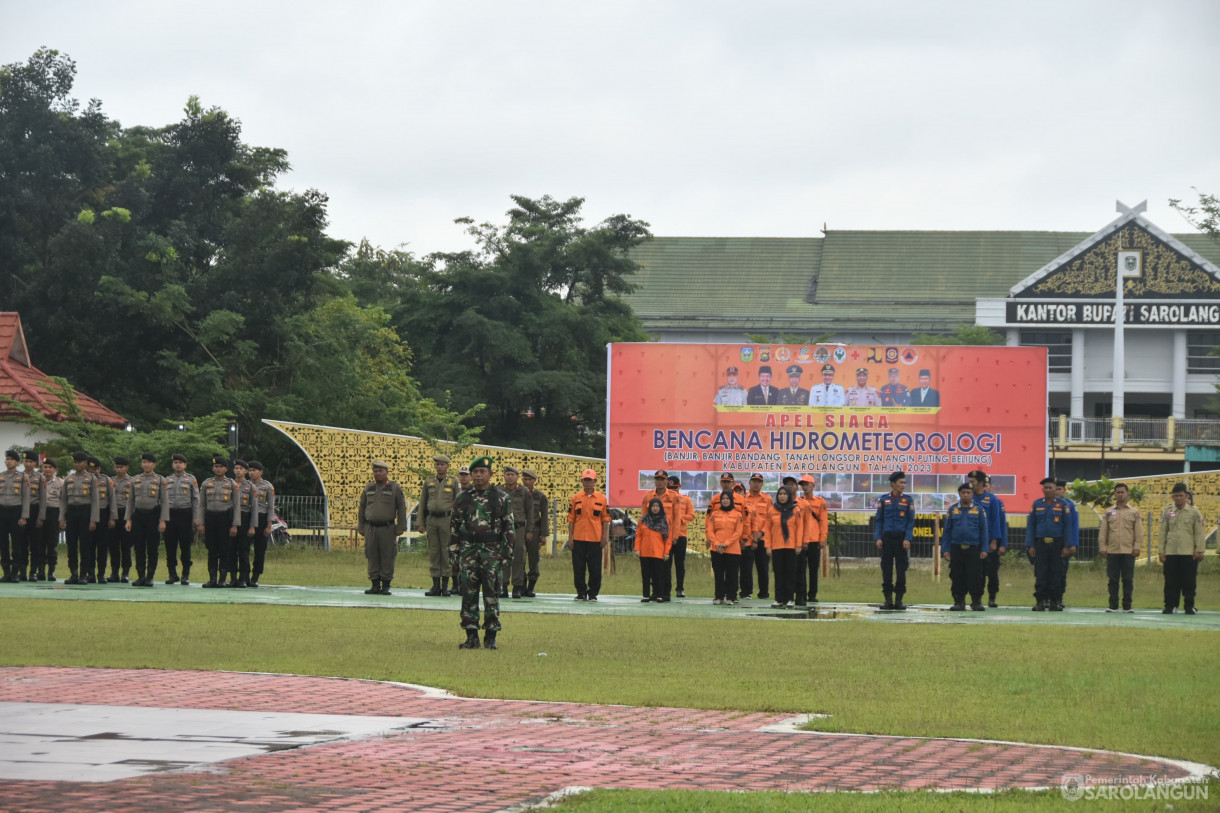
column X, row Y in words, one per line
column 488, row 755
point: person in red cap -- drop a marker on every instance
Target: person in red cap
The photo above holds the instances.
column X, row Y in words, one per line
column 817, row 523
column 588, row 535
column 673, row 512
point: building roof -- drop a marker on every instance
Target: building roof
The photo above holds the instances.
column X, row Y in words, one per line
column 23, row 382
column 846, row 277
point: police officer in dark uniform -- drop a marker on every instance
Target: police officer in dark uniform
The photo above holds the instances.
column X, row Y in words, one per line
column 50, row 509
column 894, row 525
column 79, row 519
column 1070, row 544
column 262, row 507
column 27, row 541
column 182, row 492
column 239, row 559
column 14, row 506
column 120, row 539
column 997, row 531
column 217, row 519
column 1050, row 525
column 963, row 544
column 540, row 528
column 105, row 515
column 523, row 518
column 147, row 514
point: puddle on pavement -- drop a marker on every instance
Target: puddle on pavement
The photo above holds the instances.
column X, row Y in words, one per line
column 816, row 614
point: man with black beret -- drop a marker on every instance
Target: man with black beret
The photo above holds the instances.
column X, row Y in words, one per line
column 147, row 514
column 50, row 508
column 183, row 497
column 14, row 505
column 262, row 506
column 105, row 514
column 217, row 519
column 28, row 548
column 120, row 539
column 79, row 519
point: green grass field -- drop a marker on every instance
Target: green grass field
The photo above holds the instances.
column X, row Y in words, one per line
column 1134, row 690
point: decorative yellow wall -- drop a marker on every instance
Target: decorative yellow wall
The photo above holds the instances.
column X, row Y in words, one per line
column 342, row 459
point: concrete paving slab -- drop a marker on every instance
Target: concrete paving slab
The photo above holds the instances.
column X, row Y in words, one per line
column 99, row 743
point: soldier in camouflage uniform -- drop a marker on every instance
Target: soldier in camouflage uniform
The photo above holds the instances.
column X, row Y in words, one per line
column 483, row 527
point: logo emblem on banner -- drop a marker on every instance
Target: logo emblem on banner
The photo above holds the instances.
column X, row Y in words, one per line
column 764, row 354
column 891, row 355
column 840, row 355
column 803, row 354
column 821, row 355
column 747, row 354
column 1130, row 262
column 909, row 356
column 782, row 354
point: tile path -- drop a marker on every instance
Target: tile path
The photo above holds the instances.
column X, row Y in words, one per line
column 489, row 755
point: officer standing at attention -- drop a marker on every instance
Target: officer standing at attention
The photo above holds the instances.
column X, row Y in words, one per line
column 538, row 530
column 1070, row 544
column 828, row 393
column 105, row 521
column 483, row 525
column 1122, row 530
column 1048, row 529
column 794, row 394
column 120, row 540
column 435, row 506
column 817, row 526
column 50, row 508
column 381, row 518
column 79, row 519
column 997, row 532
column 455, row 556
column 1183, row 540
column 895, row 524
column 218, row 519
column 147, row 514
column 523, row 515
column 757, row 551
column 963, row 544
column 673, row 510
column 14, row 506
column 732, row 393
column 677, row 538
column 183, row 495
column 29, row 537
column 262, row 506
column 588, row 535
column 862, row 394
column 239, row 563
column 895, row 393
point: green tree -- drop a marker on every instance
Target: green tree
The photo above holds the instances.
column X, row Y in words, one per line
column 1100, row 494
column 964, row 335
column 1204, row 216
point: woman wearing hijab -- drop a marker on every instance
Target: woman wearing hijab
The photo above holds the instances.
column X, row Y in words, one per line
column 652, row 544
column 783, row 536
column 722, row 527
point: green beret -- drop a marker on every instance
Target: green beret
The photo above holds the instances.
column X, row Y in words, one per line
column 485, row 462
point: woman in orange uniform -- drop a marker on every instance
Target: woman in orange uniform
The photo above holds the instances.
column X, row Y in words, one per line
column 784, row 532
column 652, row 543
column 723, row 529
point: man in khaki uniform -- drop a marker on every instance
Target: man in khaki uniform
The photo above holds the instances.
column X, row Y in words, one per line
column 455, row 559
column 523, row 530
column 435, row 510
column 1122, row 529
column 380, row 519
column 1182, row 545
column 538, row 531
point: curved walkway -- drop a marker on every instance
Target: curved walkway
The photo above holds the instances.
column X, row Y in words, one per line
column 488, row 755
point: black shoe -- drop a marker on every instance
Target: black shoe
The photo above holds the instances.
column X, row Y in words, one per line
column 472, row 640
column 211, row 583
column 1190, row 610
column 124, row 579
column 646, row 599
column 1056, row 607
column 51, row 576
column 489, row 640
column 680, row 594
column 898, row 605
column 504, row 593
column 529, row 589
column 592, row 598
column 173, row 579
column 385, row 588
column 516, row 592
column 958, row 608
column 113, row 578
column 991, row 603
column 253, row 582
column 887, row 605
column 445, row 591
column 375, row 589
column 185, row 582
column 1039, row 606
column 1127, row 608
column 744, row 595
column 764, row 594
column 147, row 582
column 231, row 583
column 436, row 588
column 1168, row 611
column 978, row 607
column 581, row 598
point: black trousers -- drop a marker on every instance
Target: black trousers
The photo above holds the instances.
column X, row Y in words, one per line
column 79, row 538
column 784, row 562
column 10, row 534
column 259, row 541
column 813, row 563
column 991, row 573
column 120, row 544
column 44, row 542
column 894, row 557
column 724, row 574
column 101, row 542
column 216, row 527
column 179, row 534
column 1120, row 567
column 24, row 542
column 587, row 557
column 966, row 573
column 1181, row 574
column 653, row 572
column 1048, row 566
column 239, row 559
column 761, row 564
column 745, row 569
column 146, row 540
column 677, row 555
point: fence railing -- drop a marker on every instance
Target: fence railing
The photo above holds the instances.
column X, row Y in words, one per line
column 307, row 519
column 1168, row 433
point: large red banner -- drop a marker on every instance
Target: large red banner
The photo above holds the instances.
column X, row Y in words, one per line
column 848, row 415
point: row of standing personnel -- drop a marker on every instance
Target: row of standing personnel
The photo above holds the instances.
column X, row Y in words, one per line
column 106, row 519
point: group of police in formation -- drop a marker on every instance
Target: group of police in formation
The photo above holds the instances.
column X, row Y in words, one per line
column 105, row 519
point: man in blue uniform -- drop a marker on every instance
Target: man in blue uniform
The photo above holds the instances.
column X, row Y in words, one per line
column 895, row 523
column 1069, row 544
column 997, row 532
column 1049, row 530
column 963, row 544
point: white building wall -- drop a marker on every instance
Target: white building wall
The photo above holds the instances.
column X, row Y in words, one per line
column 13, row 436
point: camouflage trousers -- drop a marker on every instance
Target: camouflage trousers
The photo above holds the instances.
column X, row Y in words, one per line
column 480, row 571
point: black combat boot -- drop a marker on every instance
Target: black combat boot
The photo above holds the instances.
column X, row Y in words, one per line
column 385, row 588
column 529, row 589
column 489, row 640
column 436, row 587
column 73, row 578
column 173, row 577
column 472, row 640
column 898, row 605
column 253, row 582
column 113, row 578
column 186, row 577
column 516, row 591
column 991, row 601
column 976, row 605
column 959, row 604
column 125, row 578
column 1190, row 608
column 375, row 589
column 445, row 586
column 211, row 582
column 889, row 601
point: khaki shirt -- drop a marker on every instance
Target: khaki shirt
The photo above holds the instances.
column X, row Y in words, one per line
column 541, row 514
column 122, row 492
column 523, row 506
column 380, row 505
column 80, row 488
column 1122, row 530
column 183, row 492
column 436, row 498
column 105, row 493
column 148, row 492
column 217, row 495
column 52, row 496
column 15, row 490
column 1182, row 531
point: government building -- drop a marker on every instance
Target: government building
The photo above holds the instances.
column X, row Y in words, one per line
column 1132, row 373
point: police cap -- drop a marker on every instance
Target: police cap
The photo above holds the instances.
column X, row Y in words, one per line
column 463, row 469
column 828, row 368
column 121, row 460
column 149, row 456
column 31, row 455
column 380, row 464
column 794, row 369
column 440, row 458
column 254, row 464
column 481, row 463
column 922, row 373
column 893, row 371
column 178, row 458
column 80, row 457
column 965, row 487
column 731, row 371
column 860, row 370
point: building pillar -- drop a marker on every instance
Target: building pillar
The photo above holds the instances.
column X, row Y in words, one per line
column 1077, row 404
column 1179, row 374
column 1014, row 337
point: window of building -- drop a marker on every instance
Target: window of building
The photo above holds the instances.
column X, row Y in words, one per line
column 1058, row 344
column 1200, row 345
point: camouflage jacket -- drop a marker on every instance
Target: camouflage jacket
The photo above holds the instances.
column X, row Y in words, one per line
column 483, row 518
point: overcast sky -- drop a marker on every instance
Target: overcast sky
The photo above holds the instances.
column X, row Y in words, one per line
column 702, row 118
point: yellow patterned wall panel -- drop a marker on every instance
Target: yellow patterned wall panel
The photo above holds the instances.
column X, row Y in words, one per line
column 342, row 458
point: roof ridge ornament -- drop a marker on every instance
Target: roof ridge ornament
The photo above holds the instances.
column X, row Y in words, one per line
column 1137, row 209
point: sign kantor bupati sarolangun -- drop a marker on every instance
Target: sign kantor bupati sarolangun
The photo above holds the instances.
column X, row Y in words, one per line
column 849, row 415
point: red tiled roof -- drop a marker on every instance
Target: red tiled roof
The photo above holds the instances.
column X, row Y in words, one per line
column 23, row 382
